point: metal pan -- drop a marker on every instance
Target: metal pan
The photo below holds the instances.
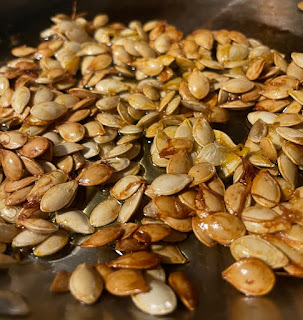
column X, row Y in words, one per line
column 278, row 24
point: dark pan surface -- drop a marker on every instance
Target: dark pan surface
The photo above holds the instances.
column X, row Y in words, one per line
column 278, row 24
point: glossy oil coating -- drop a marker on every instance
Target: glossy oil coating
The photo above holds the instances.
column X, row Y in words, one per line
column 278, row 24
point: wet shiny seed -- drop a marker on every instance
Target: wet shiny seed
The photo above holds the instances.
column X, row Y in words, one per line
column 251, row 276
column 125, row 282
column 74, row 112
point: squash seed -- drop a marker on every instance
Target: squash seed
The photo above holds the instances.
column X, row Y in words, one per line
column 12, row 165
column 201, row 172
column 131, row 205
column 185, row 289
column 168, row 184
column 126, row 187
column 61, row 282
column 251, row 276
column 105, row 213
column 74, row 220
column 198, row 84
column 54, row 243
column 256, row 247
column 94, row 174
column 58, row 196
column 136, row 260
column 28, row 238
column 169, row 254
column 125, row 282
column 103, row 237
column 86, row 284
column 39, row 225
column 159, row 300
column 13, row 139
column 265, row 190
column 223, row 227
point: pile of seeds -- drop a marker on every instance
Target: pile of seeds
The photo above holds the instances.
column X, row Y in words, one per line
column 74, row 113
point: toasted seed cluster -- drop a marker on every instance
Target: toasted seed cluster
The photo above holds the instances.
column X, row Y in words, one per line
column 74, row 111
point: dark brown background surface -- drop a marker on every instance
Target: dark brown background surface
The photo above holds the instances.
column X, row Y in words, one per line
column 278, row 24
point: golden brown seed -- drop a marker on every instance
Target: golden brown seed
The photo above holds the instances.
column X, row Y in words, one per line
column 200, row 232
column 268, row 149
column 131, row 245
column 103, row 237
column 185, row 289
column 32, row 166
column 251, row 276
column 18, row 196
column 23, row 51
column 125, row 282
column 65, row 164
column 35, row 147
column 175, row 145
column 175, row 236
column 258, row 219
column 61, row 282
column 179, row 162
column 141, row 102
column 93, row 129
column 103, row 270
column 182, row 225
column 4, row 84
column 202, row 132
column 258, row 131
column 129, row 228
column 136, row 260
column 100, row 62
column 154, row 232
column 255, row 70
column 235, row 198
column 223, row 227
column 94, row 174
column 208, row 201
column 201, row 172
column 169, row 254
column 13, row 139
column 72, row 132
column 12, row 186
column 12, row 165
